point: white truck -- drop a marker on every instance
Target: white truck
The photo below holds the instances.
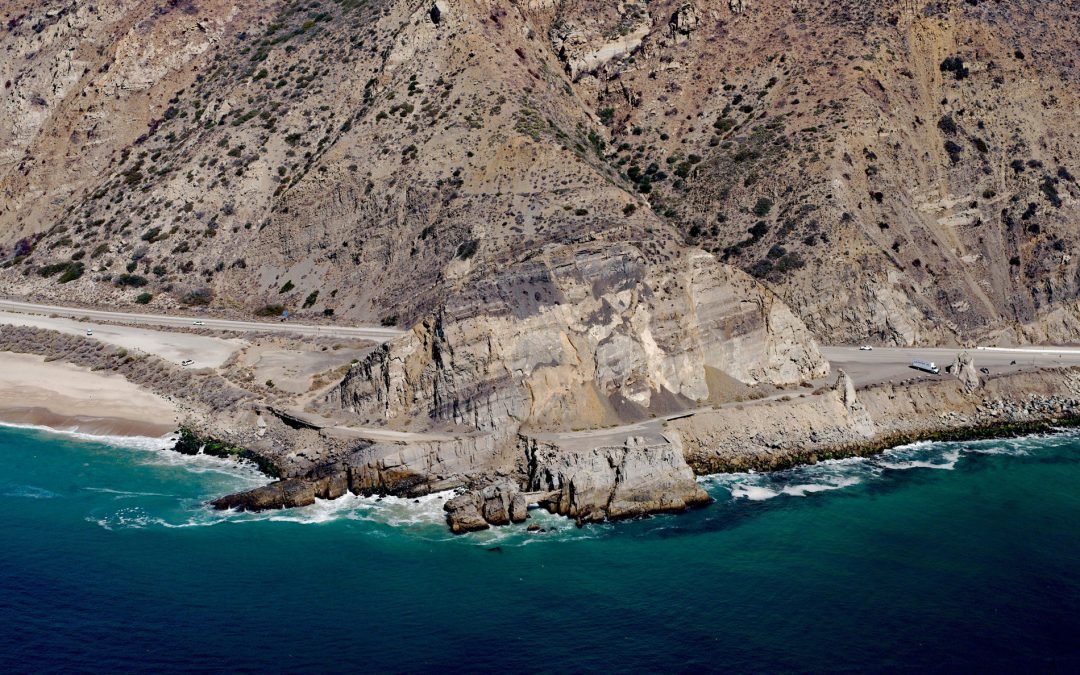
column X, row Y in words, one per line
column 926, row 366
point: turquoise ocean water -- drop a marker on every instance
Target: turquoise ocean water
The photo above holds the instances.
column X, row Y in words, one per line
column 947, row 557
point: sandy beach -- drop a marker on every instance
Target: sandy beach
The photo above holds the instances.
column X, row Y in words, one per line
column 63, row 396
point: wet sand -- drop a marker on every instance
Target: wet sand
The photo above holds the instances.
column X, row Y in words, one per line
column 66, row 397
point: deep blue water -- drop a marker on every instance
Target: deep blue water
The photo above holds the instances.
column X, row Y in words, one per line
column 931, row 557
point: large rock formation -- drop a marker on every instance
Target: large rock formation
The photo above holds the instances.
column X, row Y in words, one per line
column 497, row 504
column 964, row 370
column 639, row 477
column 583, row 337
column 578, row 337
column 278, row 495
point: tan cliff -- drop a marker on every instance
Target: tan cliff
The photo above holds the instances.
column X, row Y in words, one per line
column 584, row 337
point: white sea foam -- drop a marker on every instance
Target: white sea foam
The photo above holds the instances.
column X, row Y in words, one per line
column 809, row 488
column 897, row 459
column 133, row 442
column 754, row 493
column 124, row 494
column 245, row 472
column 27, row 492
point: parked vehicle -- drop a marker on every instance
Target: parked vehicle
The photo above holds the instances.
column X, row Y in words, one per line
column 89, row 332
column 926, row 366
column 866, row 348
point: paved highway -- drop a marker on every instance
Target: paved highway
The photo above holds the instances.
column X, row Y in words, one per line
column 884, row 364
column 373, row 333
column 881, row 364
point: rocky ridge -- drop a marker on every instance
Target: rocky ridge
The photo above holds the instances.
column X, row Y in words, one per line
column 876, row 165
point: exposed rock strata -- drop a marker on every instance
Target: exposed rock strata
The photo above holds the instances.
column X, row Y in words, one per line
column 780, row 434
column 635, row 479
column 964, row 370
column 583, row 337
column 497, row 504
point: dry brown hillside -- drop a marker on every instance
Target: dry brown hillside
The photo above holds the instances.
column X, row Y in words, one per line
column 896, row 171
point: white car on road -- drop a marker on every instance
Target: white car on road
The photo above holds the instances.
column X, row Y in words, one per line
column 866, row 348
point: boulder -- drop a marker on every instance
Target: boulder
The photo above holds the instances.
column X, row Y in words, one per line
column 738, row 6
column 639, row 477
column 964, row 370
column 330, row 481
column 496, row 503
column 463, row 513
column 282, row 494
column 437, row 11
column 684, row 20
column 519, row 509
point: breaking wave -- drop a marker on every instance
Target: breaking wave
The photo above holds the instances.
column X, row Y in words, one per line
column 838, row 474
column 424, row 517
column 26, row 492
column 133, row 442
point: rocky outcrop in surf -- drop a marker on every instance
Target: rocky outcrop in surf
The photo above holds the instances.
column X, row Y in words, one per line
column 639, row 477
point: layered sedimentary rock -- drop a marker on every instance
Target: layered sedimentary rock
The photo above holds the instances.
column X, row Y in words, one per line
column 640, row 477
column 498, row 504
column 964, row 370
column 832, row 423
column 577, row 337
column 583, row 337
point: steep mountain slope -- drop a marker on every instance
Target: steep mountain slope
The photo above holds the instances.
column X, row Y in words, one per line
column 899, row 171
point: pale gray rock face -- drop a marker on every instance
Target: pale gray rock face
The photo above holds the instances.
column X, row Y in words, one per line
column 577, row 337
column 964, row 369
column 684, row 20
column 583, row 337
column 858, row 418
column 637, row 478
column 739, row 6
column 496, row 503
column 519, row 509
column 463, row 513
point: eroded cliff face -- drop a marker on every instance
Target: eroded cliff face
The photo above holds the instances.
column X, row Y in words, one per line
column 582, row 337
column 639, row 477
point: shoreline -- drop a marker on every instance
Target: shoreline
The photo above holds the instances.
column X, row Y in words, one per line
column 36, row 392
column 46, row 393
column 870, row 449
column 80, row 425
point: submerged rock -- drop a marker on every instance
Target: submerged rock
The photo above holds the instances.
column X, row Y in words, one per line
column 282, row 494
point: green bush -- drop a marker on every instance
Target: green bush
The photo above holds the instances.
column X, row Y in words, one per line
column 144, row 298
column 72, row 272
column 467, row 249
column 763, row 206
column 201, row 297
column 288, row 286
column 132, row 280
column 270, row 310
column 311, row 299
